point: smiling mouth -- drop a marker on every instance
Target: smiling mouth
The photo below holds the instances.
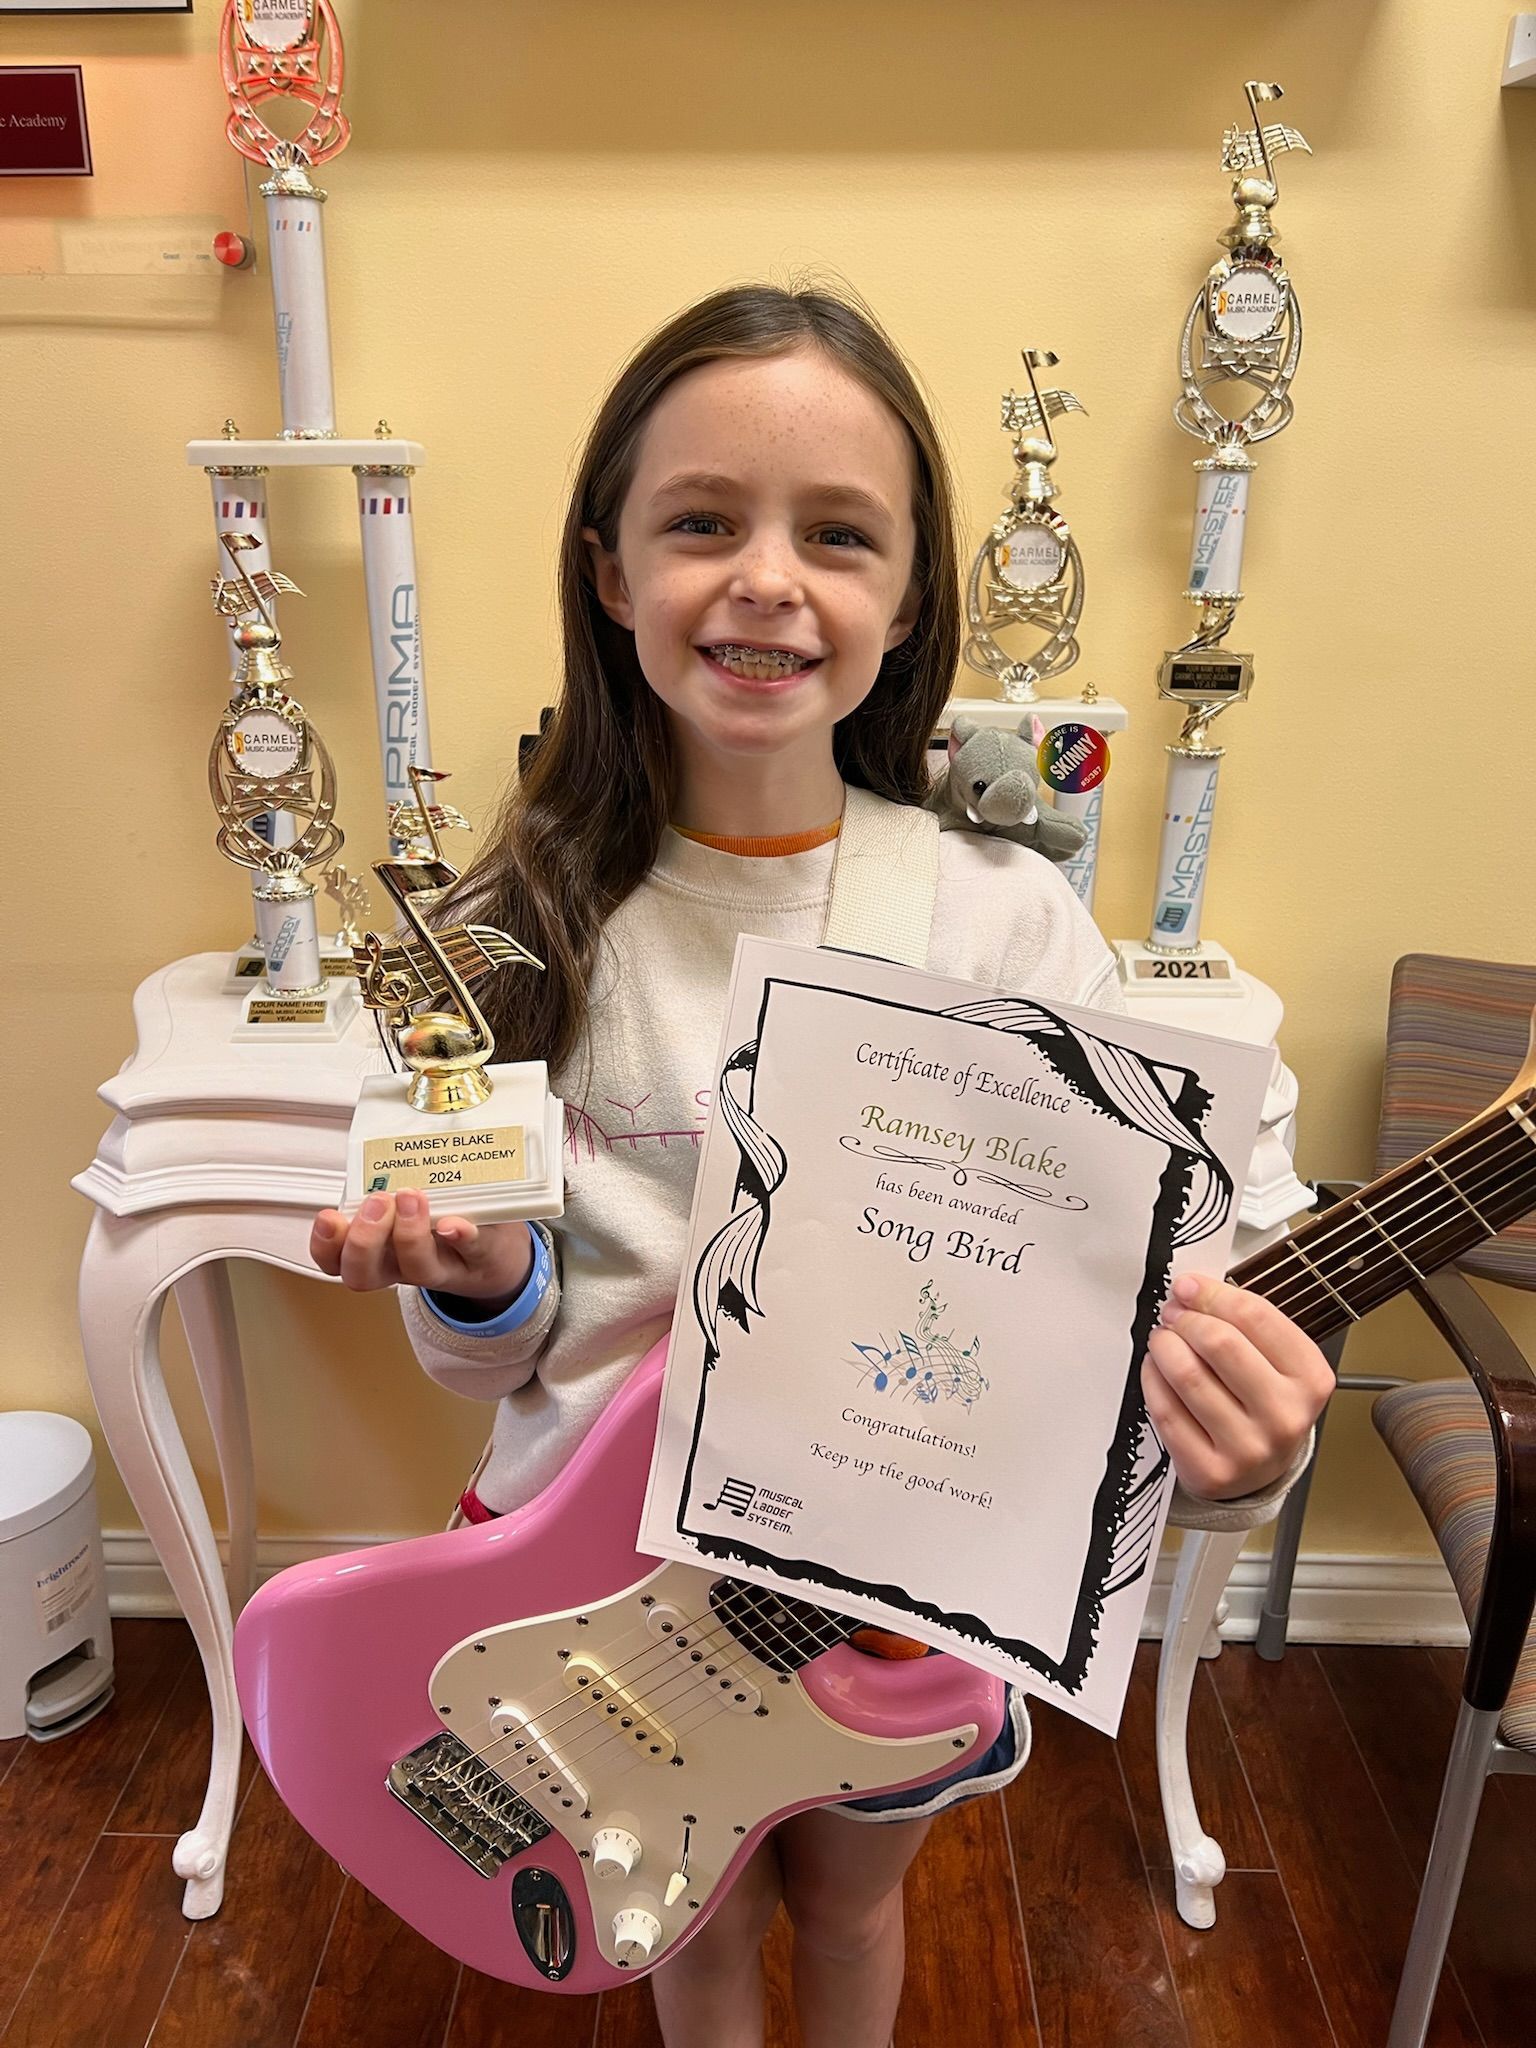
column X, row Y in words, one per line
column 758, row 664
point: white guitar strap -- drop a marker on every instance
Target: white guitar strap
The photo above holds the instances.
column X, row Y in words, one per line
column 885, row 877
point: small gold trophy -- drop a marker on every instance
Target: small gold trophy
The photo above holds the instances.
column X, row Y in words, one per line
column 274, row 788
column 349, row 892
column 1028, row 572
column 481, row 1141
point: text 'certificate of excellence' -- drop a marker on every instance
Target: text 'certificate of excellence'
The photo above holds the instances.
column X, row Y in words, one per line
column 932, row 1228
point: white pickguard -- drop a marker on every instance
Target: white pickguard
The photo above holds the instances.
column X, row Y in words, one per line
column 751, row 1743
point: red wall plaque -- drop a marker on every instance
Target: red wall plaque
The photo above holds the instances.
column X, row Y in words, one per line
column 42, row 122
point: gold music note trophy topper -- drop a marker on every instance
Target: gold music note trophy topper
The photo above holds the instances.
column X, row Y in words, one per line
column 479, row 1140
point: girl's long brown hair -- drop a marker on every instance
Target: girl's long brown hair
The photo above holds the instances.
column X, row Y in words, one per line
column 579, row 829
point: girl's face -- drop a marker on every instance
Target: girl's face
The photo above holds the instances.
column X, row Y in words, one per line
column 771, row 510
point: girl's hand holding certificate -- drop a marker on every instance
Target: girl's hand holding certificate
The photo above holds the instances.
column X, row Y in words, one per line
column 1232, row 1386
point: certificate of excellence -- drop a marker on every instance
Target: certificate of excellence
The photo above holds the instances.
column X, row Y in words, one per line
column 932, row 1227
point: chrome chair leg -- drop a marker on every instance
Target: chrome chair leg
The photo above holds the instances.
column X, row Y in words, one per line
column 1461, row 1794
column 1275, row 1614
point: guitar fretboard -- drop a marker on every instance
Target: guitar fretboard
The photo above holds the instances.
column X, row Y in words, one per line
column 781, row 1633
column 1351, row 1258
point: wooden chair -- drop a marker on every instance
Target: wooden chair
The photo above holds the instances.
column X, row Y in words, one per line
column 1457, row 1032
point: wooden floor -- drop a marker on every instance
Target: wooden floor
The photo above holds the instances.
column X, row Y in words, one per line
column 1042, row 1918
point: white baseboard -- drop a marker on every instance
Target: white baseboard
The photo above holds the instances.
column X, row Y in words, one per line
column 1334, row 1599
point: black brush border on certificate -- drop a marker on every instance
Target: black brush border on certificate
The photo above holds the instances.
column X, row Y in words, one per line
column 1070, row 1671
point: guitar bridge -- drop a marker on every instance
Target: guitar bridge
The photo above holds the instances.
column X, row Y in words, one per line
column 465, row 1804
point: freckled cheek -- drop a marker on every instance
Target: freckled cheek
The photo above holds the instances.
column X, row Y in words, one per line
column 673, row 609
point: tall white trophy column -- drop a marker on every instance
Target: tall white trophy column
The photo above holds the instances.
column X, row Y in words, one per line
column 1243, row 331
column 1028, row 573
column 296, row 246
column 394, row 619
column 240, row 505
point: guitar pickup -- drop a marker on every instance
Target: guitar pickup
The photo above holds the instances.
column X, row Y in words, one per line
column 533, row 1766
column 629, row 1719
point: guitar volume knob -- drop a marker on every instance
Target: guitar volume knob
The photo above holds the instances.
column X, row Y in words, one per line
column 635, row 1933
column 615, row 1852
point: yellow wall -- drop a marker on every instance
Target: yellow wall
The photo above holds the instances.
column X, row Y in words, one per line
column 522, row 200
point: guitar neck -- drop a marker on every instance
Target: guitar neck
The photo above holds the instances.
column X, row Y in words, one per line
column 1351, row 1258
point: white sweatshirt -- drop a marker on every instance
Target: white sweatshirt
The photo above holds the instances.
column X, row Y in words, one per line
column 1003, row 917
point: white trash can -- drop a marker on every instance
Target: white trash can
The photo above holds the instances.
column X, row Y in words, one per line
column 55, row 1636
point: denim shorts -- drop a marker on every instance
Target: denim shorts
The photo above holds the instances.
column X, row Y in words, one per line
column 984, row 1773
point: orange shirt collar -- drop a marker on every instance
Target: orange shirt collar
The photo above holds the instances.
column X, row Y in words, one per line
column 764, row 849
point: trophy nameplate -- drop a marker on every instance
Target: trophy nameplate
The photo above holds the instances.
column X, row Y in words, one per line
column 1201, row 675
column 1207, row 969
column 481, row 1141
column 494, row 1163
column 265, row 1014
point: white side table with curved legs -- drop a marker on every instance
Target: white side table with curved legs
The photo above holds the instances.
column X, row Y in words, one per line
column 216, row 1151
column 219, row 1151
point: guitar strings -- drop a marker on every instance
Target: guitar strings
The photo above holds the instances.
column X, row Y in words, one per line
column 1305, row 1290
column 1503, row 1135
column 542, row 1763
column 586, row 1708
column 687, row 1633
column 692, row 1676
column 1507, row 1137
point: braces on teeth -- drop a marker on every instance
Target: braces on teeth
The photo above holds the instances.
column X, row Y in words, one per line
column 747, row 657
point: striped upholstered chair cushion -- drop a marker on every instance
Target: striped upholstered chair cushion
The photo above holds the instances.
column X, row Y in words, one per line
column 1438, row 1433
column 1456, row 1034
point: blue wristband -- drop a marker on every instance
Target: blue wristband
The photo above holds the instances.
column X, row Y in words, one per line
column 517, row 1312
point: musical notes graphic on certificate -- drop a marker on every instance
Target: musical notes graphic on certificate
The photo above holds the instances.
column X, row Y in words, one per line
column 928, row 1367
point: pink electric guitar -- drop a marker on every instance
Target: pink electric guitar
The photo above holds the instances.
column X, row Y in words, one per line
column 551, row 1753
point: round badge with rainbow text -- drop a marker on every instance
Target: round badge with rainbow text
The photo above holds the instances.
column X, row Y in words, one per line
column 1073, row 758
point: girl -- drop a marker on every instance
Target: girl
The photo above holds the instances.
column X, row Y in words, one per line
column 760, row 600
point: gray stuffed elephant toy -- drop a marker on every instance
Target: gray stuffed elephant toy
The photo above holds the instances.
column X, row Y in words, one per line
column 990, row 785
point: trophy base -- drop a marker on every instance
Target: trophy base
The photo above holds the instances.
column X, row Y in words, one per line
column 498, row 1163
column 1204, row 970
column 316, row 1019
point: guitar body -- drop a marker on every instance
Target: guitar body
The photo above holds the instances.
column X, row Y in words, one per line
column 549, row 1752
